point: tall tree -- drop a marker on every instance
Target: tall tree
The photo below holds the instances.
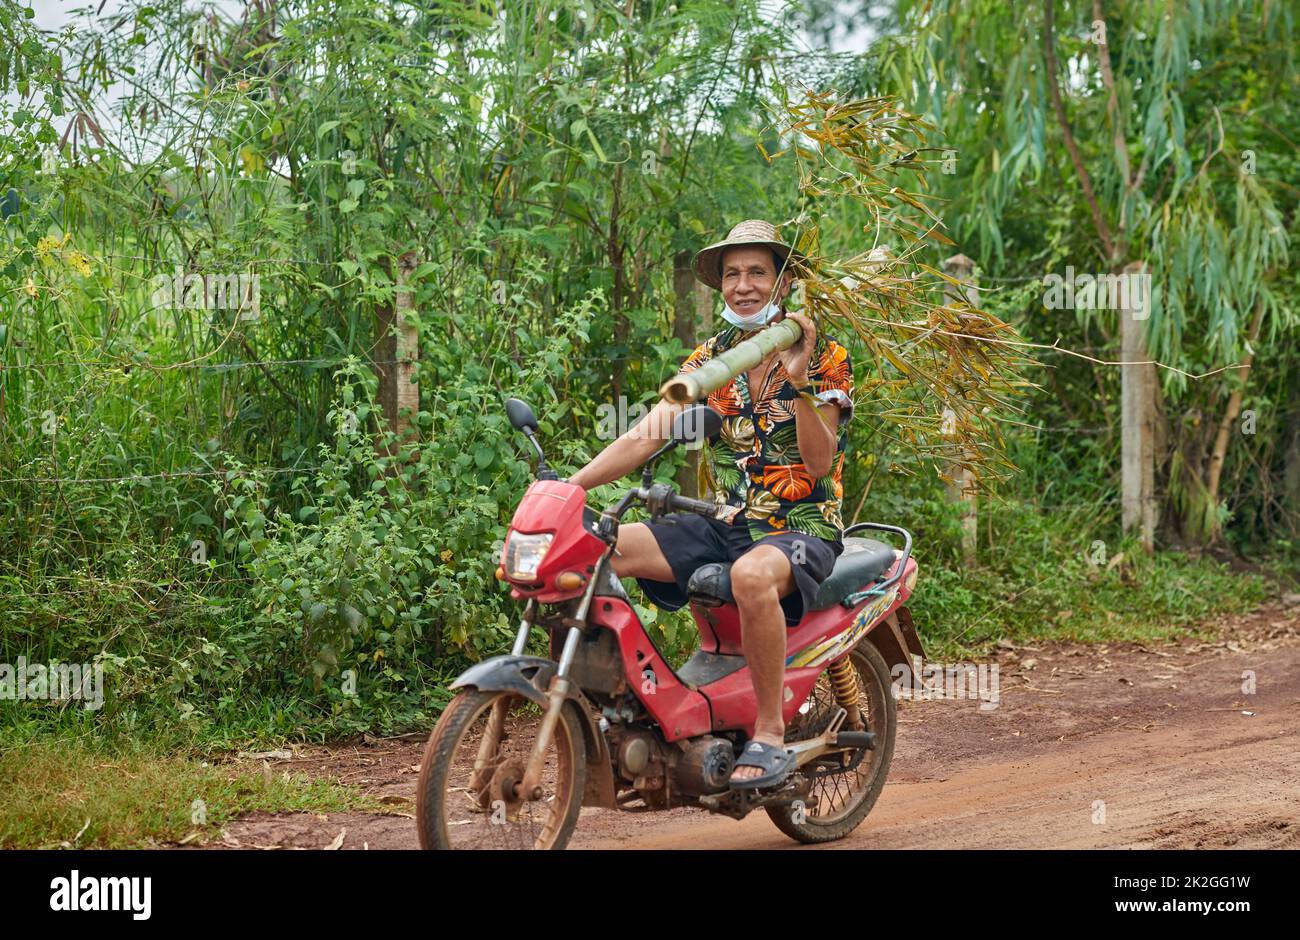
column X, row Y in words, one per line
column 1139, row 109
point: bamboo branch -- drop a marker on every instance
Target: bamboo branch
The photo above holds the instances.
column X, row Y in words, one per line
column 722, row 368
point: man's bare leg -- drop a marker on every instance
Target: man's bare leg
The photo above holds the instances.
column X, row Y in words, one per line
column 638, row 555
column 758, row 582
column 759, row 579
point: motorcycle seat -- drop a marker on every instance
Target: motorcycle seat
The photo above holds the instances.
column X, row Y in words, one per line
column 862, row 561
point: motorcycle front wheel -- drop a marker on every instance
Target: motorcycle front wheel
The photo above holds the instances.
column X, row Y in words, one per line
column 467, row 796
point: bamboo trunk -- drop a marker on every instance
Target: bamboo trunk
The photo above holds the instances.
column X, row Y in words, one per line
column 718, row 371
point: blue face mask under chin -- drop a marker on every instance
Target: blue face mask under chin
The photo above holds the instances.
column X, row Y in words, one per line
column 754, row 321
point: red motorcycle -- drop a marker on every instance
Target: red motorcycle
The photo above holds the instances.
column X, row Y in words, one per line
column 606, row 722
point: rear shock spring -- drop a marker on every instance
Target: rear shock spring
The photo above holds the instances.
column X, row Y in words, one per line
column 844, row 681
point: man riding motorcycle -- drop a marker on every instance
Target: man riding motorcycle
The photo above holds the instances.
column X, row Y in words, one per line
column 776, row 468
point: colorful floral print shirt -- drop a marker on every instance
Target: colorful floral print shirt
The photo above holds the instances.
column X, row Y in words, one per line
column 754, row 463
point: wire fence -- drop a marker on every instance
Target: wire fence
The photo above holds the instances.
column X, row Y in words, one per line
column 115, row 365
column 1031, row 348
column 254, row 471
column 140, row 365
column 164, row 475
column 145, row 365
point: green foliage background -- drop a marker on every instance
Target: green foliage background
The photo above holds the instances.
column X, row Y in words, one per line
column 206, row 504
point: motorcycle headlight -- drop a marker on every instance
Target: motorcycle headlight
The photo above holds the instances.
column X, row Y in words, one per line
column 524, row 554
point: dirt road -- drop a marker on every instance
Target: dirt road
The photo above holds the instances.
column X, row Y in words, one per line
column 1089, row 747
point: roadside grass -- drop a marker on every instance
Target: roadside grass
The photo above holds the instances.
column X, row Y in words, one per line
column 84, row 793
column 1054, row 581
column 1029, row 596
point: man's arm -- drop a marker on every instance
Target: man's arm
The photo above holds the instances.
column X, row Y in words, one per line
column 631, row 450
column 816, row 430
column 816, row 424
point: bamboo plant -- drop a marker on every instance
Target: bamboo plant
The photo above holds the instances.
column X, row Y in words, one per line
column 945, row 372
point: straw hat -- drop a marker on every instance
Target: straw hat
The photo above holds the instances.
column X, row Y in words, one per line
column 708, row 262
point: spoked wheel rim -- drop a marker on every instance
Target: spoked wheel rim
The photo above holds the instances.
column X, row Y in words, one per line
column 472, row 799
column 834, row 796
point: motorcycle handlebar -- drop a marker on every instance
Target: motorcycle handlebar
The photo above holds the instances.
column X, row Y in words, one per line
column 686, row 504
column 659, row 498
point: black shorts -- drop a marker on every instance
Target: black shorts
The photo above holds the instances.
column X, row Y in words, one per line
column 689, row 541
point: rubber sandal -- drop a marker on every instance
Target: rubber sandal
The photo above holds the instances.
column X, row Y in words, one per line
column 777, row 761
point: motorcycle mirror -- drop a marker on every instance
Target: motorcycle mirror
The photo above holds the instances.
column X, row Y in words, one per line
column 696, row 423
column 521, row 415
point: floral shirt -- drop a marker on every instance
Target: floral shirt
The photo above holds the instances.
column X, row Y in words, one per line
column 754, row 463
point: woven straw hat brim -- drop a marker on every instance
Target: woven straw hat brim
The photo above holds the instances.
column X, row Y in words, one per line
column 708, row 261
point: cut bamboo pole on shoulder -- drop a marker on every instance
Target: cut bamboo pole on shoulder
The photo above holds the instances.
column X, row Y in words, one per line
column 698, row 383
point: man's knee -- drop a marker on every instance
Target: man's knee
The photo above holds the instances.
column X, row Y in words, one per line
column 760, row 575
column 624, row 559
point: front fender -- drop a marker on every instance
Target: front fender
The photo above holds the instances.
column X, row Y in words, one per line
column 530, row 676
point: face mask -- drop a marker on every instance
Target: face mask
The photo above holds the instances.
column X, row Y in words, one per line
column 752, row 322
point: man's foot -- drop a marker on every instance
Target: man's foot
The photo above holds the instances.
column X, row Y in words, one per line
column 764, row 762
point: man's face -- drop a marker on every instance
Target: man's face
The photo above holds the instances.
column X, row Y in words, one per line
column 748, row 277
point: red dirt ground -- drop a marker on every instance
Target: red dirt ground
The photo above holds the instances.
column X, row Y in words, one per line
column 1163, row 736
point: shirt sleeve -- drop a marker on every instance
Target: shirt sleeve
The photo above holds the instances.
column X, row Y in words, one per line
column 832, row 379
column 702, row 354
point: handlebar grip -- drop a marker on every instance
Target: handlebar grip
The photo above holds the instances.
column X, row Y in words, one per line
column 686, row 504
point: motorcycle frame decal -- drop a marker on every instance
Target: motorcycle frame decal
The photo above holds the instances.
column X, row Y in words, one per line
column 833, row 646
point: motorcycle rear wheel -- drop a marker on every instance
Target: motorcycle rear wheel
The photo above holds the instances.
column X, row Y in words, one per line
column 459, row 808
column 838, row 802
